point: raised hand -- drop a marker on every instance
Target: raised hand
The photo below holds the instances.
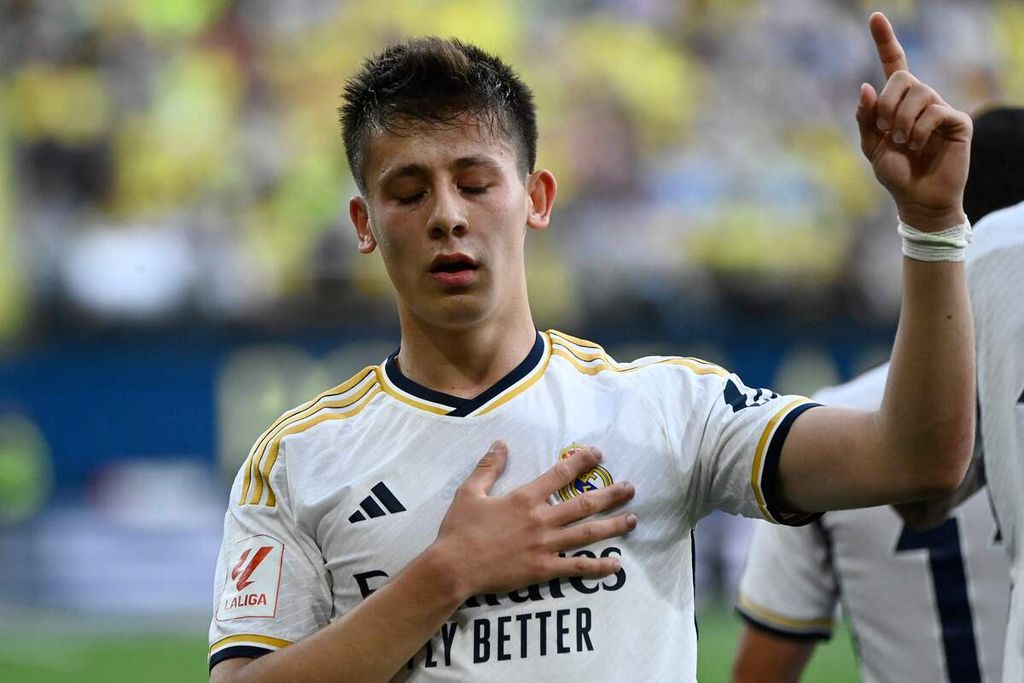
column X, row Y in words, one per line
column 510, row 541
column 919, row 146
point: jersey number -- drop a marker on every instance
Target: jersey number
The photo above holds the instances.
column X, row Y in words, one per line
column 949, row 582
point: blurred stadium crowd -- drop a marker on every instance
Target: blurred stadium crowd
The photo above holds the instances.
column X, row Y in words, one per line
column 177, row 165
column 180, row 161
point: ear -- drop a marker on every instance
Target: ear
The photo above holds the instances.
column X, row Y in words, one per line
column 541, row 188
column 360, row 216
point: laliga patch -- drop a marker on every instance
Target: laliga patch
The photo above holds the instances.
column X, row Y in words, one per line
column 253, row 579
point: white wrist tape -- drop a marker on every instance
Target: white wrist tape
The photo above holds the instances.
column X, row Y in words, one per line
column 944, row 245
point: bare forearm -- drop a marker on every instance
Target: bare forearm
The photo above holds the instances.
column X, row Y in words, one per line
column 766, row 658
column 919, row 442
column 926, row 421
column 373, row 641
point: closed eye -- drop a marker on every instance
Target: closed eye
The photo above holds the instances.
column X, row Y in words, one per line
column 472, row 189
column 410, row 199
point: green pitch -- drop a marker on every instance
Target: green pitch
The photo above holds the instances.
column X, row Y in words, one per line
column 833, row 661
column 80, row 657
column 54, row 657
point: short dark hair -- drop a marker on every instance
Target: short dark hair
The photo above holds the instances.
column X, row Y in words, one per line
column 435, row 82
column 996, row 177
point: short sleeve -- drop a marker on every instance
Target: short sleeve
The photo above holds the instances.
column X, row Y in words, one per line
column 740, row 449
column 271, row 587
column 788, row 587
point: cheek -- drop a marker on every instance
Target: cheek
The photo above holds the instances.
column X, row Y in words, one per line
column 508, row 204
column 390, row 250
column 510, row 211
column 394, row 253
column 388, row 231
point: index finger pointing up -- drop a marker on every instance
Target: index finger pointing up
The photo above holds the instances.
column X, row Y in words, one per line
column 890, row 52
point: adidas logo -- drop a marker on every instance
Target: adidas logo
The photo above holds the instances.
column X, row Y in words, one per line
column 372, row 506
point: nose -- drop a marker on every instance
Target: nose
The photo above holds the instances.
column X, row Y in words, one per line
column 448, row 218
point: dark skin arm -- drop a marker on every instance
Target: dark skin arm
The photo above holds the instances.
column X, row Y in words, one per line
column 764, row 657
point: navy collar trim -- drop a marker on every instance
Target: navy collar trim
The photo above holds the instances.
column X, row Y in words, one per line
column 461, row 407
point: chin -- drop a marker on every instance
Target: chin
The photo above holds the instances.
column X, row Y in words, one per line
column 462, row 316
column 455, row 312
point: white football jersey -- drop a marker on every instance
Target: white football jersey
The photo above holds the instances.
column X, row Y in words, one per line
column 922, row 606
column 342, row 492
column 995, row 278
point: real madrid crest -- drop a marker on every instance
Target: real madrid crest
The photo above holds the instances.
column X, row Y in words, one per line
column 595, row 478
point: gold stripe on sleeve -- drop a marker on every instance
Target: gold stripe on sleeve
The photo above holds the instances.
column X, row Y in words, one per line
column 607, row 363
column 697, row 367
column 252, row 472
column 781, row 620
column 247, row 639
column 762, row 447
column 245, row 479
column 261, row 474
column 275, row 446
column 296, row 413
column 594, row 352
column 587, row 357
column 576, row 340
column 561, row 352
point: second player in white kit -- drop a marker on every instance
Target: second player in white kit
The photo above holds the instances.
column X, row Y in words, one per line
column 995, row 275
column 922, row 606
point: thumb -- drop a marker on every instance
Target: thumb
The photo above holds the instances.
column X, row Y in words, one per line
column 870, row 136
column 487, row 471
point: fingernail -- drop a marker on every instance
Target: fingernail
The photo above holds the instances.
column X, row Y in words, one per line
column 631, row 520
column 598, row 455
column 899, row 137
column 882, row 124
column 627, row 487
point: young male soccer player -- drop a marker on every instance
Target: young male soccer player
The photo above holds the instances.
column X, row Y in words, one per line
column 924, row 606
column 366, row 534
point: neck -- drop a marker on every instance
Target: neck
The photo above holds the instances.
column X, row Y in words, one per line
column 464, row 362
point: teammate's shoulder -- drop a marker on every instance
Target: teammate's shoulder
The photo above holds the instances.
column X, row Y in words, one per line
column 591, row 359
column 998, row 230
column 863, row 391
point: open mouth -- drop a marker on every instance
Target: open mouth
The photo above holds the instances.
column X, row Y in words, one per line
column 453, row 270
column 453, row 263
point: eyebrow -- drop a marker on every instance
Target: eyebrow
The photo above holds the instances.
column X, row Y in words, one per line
column 477, row 161
column 421, row 171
